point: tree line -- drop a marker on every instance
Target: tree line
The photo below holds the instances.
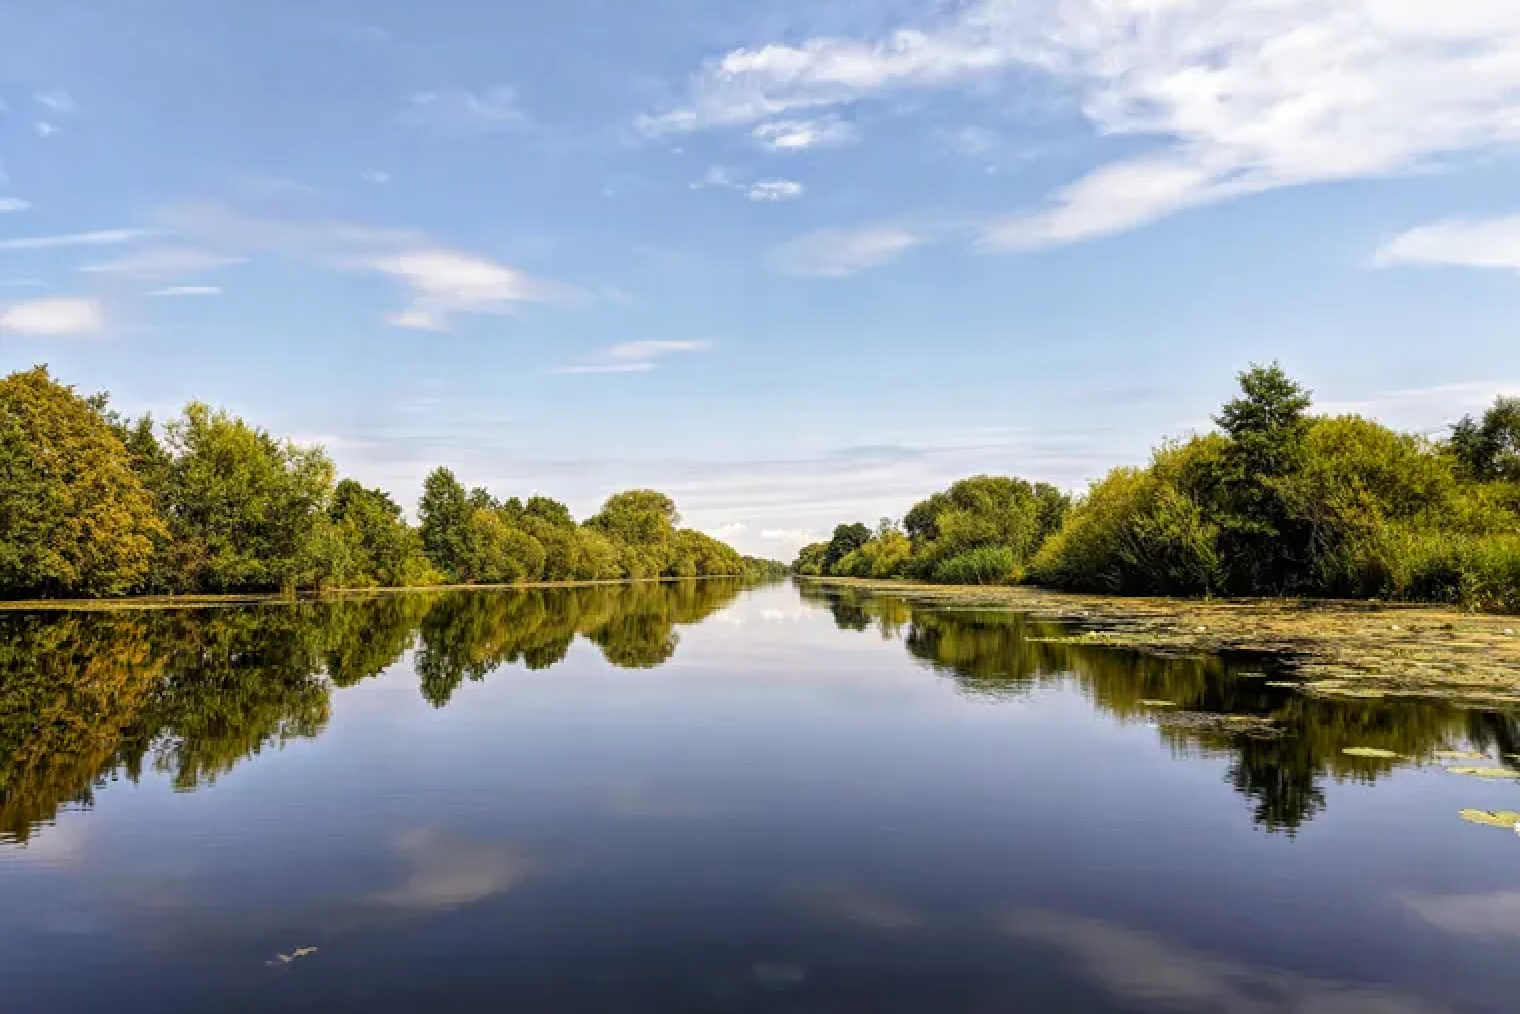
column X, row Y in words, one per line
column 1276, row 501
column 93, row 503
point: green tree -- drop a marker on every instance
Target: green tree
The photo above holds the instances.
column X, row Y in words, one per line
column 1264, row 547
column 75, row 519
column 1489, row 449
column 846, row 539
column 242, row 502
column 445, row 513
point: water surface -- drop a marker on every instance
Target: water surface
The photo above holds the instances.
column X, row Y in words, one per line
column 694, row 797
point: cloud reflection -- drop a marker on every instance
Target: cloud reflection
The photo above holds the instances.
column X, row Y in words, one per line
column 450, row 873
column 1149, row 971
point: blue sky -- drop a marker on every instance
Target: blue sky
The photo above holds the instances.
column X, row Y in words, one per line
column 794, row 262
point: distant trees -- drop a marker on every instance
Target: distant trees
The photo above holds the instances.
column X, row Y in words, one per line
column 1278, row 501
column 92, row 503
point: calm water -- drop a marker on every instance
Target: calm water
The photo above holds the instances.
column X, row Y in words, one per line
column 698, row 798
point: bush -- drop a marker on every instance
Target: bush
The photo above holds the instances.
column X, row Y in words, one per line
column 983, row 565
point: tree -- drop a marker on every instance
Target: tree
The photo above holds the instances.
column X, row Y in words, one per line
column 846, row 539
column 1264, row 549
column 74, row 517
column 445, row 513
column 1488, row 450
column 388, row 550
column 246, row 501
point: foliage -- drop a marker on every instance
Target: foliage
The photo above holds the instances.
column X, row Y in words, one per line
column 1278, row 501
column 75, row 519
column 93, row 503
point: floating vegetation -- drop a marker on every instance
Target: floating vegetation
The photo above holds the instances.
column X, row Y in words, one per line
column 1492, row 818
column 1427, row 651
column 1284, row 684
column 1158, row 704
column 1227, row 725
column 1371, row 751
column 1485, row 772
column 1460, row 755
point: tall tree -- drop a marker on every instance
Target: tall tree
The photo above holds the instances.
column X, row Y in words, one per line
column 74, row 517
column 1488, row 449
column 445, row 513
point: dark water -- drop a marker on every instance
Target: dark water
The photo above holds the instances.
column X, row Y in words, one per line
column 697, row 798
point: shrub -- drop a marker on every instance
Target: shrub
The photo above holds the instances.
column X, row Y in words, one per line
column 983, row 565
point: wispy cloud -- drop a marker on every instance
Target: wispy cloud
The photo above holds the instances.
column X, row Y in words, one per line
column 801, row 135
column 379, row 177
column 635, row 357
column 164, row 263
column 181, row 291
column 104, row 237
column 10, row 204
column 441, row 281
column 57, row 101
column 1473, row 243
column 837, row 253
column 461, row 111
column 53, row 318
column 775, row 190
column 1238, row 96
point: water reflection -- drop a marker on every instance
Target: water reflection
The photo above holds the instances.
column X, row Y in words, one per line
column 997, row 655
column 89, row 696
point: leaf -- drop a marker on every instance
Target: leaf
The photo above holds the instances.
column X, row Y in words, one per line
column 1491, row 818
column 1485, row 772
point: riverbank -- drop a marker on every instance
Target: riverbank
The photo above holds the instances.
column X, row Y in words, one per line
column 139, row 602
column 1334, row 648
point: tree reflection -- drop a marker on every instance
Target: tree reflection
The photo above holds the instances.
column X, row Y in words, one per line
column 90, row 696
column 999, row 654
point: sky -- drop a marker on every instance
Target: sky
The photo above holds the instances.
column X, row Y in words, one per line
column 795, row 262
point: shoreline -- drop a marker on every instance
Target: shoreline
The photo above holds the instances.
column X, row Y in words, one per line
column 1338, row 648
column 128, row 603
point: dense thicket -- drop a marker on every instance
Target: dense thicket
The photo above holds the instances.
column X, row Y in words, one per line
column 982, row 530
column 1276, row 501
column 92, row 503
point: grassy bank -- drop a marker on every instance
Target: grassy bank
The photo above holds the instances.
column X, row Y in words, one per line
column 135, row 602
column 1336, row 648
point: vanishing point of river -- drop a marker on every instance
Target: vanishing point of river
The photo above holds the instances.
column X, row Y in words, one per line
column 695, row 797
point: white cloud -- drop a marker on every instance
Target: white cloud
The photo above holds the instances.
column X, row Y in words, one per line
column 379, row 177
column 164, row 263
column 460, row 111
column 775, row 190
column 1239, row 95
column 177, row 291
column 836, row 253
column 44, row 129
column 717, row 178
column 104, row 237
column 10, row 204
column 53, row 318
column 1480, row 243
column 442, row 281
column 800, row 135
column 57, row 101
column 635, row 357
column 445, row 282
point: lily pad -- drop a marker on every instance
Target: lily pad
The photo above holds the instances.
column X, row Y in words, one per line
column 1491, row 818
column 1485, row 772
column 1370, row 751
column 1158, row 704
column 1459, row 755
